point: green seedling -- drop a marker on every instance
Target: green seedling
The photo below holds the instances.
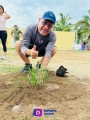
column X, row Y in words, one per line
column 37, row 76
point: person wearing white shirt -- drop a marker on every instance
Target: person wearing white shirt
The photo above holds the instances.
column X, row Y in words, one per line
column 3, row 33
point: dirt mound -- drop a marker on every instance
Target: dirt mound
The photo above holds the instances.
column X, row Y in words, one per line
column 53, row 93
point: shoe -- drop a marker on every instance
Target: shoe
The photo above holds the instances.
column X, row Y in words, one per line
column 3, row 57
column 26, row 68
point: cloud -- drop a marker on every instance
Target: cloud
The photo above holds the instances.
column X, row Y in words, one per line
column 24, row 12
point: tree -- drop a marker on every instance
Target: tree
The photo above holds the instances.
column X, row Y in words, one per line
column 83, row 27
column 63, row 24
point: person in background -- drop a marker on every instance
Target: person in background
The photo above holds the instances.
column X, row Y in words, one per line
column 38, row 41
column 16, row 34
column 3, row 33
column 83, row 46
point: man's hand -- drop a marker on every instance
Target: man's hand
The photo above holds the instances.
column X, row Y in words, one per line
column 45, row 61
column 32, row 52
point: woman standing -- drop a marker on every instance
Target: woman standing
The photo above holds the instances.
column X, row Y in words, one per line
column 3, row 33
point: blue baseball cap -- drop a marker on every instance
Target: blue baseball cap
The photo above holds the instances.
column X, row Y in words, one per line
column 49, row 15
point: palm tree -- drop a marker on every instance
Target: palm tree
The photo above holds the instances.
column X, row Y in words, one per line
column 83, row 27
column 63, row 24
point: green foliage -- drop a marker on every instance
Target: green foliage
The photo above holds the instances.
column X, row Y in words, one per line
column 83, row 28
column 34, row 78
column 63, row 24
column 37, row 76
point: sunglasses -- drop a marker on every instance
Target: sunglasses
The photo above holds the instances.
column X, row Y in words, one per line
column 45, row 22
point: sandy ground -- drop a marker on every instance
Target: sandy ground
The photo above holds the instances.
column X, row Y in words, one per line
column 69, row 96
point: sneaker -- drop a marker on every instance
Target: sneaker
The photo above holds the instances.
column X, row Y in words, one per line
column 3, row 57
column 26, row 68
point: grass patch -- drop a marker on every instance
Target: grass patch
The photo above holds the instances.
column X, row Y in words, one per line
column 11, row 48
column 5, row 69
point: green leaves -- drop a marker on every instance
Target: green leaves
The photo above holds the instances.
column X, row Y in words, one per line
column 83, row 28
column 37, row 76
column 63, row 24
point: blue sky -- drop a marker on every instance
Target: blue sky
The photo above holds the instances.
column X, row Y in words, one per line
column 25, row 12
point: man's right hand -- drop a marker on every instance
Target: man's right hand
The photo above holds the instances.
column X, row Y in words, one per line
column 32, row 52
